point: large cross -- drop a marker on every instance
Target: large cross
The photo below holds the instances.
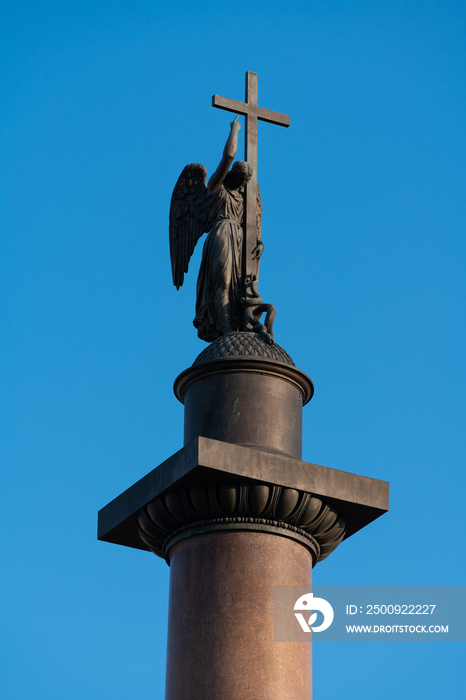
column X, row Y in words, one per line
column 252, row 112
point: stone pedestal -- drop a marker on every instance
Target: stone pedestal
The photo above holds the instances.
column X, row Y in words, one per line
column 234, row 513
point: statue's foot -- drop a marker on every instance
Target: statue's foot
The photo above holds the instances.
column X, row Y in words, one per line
column 262, row 331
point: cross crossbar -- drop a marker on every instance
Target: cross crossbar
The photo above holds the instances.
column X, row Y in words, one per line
column 265, row 115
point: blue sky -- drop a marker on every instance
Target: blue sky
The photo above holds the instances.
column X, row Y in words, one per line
column 101, row 106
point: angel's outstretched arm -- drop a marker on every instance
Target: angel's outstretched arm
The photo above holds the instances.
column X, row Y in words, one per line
column 229, row 153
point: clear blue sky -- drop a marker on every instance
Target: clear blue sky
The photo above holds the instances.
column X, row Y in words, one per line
column 101, row 106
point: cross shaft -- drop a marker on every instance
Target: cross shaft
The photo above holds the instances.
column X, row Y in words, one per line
column 252, row 112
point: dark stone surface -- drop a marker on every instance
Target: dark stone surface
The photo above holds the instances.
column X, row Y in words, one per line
column 245, row 408
column 359, row 499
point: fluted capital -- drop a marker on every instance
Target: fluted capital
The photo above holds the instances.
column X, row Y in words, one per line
column 241, row 506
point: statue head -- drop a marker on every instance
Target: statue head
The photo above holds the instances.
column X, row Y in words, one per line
column 239, row 174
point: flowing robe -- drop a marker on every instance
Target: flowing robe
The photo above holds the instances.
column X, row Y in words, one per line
column 219, row 285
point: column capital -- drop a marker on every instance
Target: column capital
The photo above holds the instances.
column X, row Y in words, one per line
column 241, row 506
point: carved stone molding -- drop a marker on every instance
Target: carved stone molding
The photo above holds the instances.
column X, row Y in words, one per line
column 272, row 527
column 241, row 506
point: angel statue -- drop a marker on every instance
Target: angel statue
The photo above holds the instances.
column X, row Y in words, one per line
column 223, row 305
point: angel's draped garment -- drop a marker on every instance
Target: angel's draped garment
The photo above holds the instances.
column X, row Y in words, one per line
column 219, row 283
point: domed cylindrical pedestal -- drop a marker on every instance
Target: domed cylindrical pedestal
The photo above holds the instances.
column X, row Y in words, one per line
column 254, row 399
column 221, row 618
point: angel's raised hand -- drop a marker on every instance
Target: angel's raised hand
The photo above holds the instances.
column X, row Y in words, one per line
column 235, row 123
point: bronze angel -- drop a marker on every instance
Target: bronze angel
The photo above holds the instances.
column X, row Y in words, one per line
column 216, row 209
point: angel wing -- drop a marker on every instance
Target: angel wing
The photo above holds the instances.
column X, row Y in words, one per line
column 188, row 218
